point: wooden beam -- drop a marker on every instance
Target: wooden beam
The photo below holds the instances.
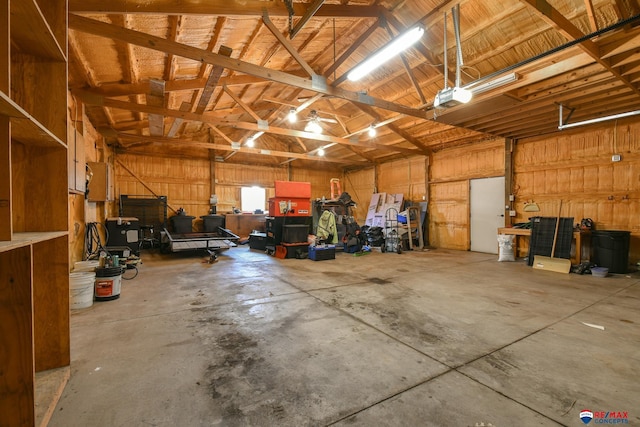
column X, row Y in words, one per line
column 155, row 97
column 91, row 99
column 571, row 32
column 308, row 14
column 218, row 8
column 242, row 105
column 177, row 122
column 212, row 81
column 126, row 89
column 284, row 42
column 591, row 14
column 408, row 69
column 222, row 147
column 397, row 130
column 96, row 27
column 355, row 45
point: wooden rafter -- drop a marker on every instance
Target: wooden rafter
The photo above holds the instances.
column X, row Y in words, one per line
column 177, row 122
column 355, row 45
column 126, row 89
column 175, row 22
column 395, row 129
column 155, row 97
column 212, row 81
column 112, row 103
column 93, row 26
column 212, row 146
column 556, row 19
column 408, row 69
column 287, row 45
column 308, row 14
column 218, row 8
column 242, row 105
column 591, row 14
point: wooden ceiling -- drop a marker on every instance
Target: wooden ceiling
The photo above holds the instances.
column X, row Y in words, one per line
column 199, row 78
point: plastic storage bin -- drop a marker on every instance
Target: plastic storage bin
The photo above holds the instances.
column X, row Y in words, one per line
column 611, row 249
column 318, row 253
column 210, row 223
column 182, row 223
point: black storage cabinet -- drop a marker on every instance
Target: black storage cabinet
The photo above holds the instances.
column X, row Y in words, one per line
column 611, row 249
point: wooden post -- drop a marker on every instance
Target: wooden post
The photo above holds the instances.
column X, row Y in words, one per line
column 508, row 178
column 212, row 171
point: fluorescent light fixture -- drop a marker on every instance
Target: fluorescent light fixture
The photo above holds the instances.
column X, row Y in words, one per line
column 313, row 126
column 391, row 49
column 450, row 97
column 321, row 152
column 292, row 116
column 372, row 131
column 493, row 84
column 563, row 126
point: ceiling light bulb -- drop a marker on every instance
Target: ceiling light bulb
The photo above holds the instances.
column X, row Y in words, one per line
column 313, row 126
column 292, row 116
column 321, row 152
column 251, row 142
column 372, row 131
column 391, row 49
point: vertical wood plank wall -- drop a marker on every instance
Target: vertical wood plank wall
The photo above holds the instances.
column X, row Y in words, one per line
column 186, row 182
column 575, row 167
column 450, row 173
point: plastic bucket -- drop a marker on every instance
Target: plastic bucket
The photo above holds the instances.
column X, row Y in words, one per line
column 107, row 283
column 81, row 289
column 89, row 265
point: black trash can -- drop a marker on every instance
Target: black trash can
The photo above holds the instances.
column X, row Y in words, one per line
column 611, row 249
column 182, row 223
column 210, row 223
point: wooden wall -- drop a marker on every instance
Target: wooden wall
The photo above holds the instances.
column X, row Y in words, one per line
column 450, row 173
column 82, row 211
column 187, row 183
column 575, row 167
column 406, row 176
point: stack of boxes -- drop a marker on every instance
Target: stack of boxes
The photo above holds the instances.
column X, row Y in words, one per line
column 289, row 219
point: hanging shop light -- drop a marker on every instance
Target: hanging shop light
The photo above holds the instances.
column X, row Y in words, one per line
column 389, row 51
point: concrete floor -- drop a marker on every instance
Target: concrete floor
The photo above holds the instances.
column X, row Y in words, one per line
column 435, row 338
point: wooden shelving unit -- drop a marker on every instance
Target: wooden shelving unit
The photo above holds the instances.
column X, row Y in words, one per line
column 34, row 245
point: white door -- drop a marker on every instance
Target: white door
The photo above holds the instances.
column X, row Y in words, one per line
column 487, row 208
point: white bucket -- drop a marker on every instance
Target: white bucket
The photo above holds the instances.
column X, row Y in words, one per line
column 81, row 289
column 89, row 265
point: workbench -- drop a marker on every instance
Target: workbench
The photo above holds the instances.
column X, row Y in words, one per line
column 526, row 232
